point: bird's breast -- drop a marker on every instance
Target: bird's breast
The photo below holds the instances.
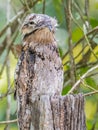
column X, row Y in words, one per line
column 47, row 69
column 41, row 69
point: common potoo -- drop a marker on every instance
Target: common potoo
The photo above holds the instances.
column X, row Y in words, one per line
column 39, row 68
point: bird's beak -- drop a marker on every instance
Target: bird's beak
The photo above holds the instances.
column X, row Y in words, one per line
column 24, row 29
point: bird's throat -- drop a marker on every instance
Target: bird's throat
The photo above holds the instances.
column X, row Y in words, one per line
column 43, row 36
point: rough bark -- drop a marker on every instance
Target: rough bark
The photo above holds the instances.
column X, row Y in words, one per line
column 58, row 113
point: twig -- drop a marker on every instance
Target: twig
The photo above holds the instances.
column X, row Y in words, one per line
column 66, row 73
column 8, row 50
column 91, row 93
column 78, row 10
column 76, row 22
column 91, row 48
column 88, row 86
column 82, row 77
column 11, row 22
column 76, row 55
column 82, row 38
column 22, row 2
column 10, row 91
column 85, row 36
column 87, row 9
column 9, row 122
column 7, row 93
column 67, row 81
column 27, row 5
column 85, row 57
column 43, row 9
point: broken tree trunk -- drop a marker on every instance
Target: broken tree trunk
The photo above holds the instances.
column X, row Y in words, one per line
column 58, row 113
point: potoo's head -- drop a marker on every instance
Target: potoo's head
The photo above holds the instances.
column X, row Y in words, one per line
column 35, row 22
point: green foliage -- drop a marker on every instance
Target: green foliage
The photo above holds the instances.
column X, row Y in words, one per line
column 65, row 90
column 76, row 34
column 12, row 127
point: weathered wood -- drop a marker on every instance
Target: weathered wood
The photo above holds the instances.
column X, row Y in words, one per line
column 58, row 113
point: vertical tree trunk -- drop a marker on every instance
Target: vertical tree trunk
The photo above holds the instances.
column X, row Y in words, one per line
column 58, row 113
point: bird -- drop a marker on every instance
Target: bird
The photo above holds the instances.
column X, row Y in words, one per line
column 39, row 70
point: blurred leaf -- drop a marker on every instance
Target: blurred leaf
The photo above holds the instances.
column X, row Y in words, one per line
column 2, row 109
column 12, row 127
column 76, row 34
column 65, row 90
column 62, row 36
column 90, row 109
column 83, row 70
column 13, row 106
column 93, row 22
column 59, row 11
column 90, row 81
column 89, row 124
column 95, row 39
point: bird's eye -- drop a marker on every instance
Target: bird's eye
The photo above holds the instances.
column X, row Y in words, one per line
column 31, row 22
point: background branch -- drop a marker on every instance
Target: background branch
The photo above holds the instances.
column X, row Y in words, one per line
column 70, row 45
column 82, row 77
column 8, row 122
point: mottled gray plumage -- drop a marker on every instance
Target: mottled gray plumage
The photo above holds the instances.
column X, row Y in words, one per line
column 39, row 68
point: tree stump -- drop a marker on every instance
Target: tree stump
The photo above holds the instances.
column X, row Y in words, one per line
column 58, row 113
